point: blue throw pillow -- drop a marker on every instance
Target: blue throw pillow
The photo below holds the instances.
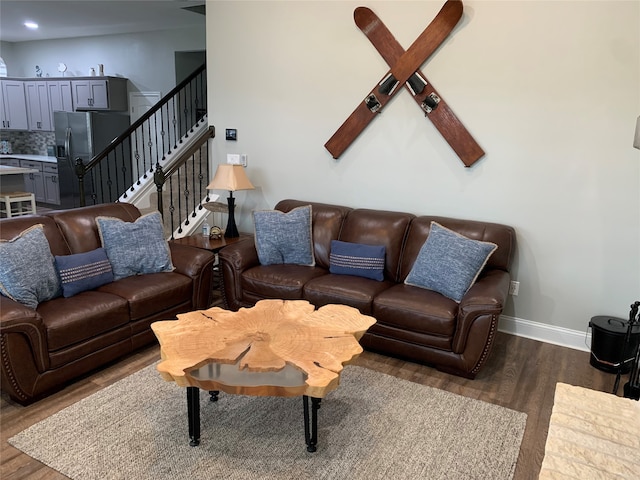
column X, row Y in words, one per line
column 27, row 271
column 83, row 271
column 357, row 259
column 284, row 237
column 135, row 248
column 449, row 263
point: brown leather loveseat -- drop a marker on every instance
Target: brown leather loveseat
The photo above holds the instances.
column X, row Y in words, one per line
column 412, row 322
column 64, row 338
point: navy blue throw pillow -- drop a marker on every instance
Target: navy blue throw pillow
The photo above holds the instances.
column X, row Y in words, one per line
column 83, row 271
column 357, row 259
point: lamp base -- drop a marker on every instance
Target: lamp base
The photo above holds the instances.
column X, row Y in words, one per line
column 232, row 229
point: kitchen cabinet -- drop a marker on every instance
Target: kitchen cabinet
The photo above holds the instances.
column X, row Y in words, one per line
column 43, row 183
column 105, row 93
column 60, row 97
column 11, row 162
column 34, row 182
column 13, row 105
column 28, row 104
column 38, row 110
column 50, row 182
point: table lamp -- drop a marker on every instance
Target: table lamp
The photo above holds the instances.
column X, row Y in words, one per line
column 232, row 178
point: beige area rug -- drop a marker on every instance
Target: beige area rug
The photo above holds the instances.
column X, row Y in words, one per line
column 592, row 435
column 374, row 426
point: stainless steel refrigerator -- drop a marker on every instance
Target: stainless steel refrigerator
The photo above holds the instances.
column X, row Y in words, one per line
column 84, row 135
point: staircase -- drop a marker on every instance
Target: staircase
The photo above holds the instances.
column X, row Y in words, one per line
column 167, row 150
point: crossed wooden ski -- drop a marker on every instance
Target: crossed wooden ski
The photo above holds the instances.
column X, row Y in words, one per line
column 432, row 103
column 404, row 70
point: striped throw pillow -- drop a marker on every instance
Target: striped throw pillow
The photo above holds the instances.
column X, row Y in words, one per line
column 83, row 271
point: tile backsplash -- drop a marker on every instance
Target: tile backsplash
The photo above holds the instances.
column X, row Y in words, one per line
column 29, row 143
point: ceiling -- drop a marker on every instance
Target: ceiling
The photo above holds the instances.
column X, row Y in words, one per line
column 81, row 18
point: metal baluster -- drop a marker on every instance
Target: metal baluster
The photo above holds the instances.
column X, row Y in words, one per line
column 175, row 131
column 162, row 135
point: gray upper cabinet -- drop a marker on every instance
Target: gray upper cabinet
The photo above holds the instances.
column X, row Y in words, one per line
column 13, row 107
column 38, row 110
column 60, row 98
column 28, row 104
column 105, row 93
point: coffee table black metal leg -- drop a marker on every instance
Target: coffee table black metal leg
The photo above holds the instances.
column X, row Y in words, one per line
column 193, row 412
column 311, row 425
column 214, row 395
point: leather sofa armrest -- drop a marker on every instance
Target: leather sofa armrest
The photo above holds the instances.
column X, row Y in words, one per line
column 235, row 259
column 486, row 298
column 197, row 264
column 189, row 260
column 20, row 323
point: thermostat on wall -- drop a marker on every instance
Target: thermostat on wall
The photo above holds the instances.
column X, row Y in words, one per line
column 231, row 134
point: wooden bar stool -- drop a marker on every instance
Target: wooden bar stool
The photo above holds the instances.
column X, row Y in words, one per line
column 14, row 204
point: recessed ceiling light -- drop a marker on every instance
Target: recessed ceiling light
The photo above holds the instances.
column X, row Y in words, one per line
column 31, row 25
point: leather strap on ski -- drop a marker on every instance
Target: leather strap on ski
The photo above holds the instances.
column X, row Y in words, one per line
column 422, row 91
column 410, row 61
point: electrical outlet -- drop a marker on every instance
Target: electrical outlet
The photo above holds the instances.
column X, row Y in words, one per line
column 243, row 159
column 514, row 288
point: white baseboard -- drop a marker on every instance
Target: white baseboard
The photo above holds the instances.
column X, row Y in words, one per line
column 546, row 333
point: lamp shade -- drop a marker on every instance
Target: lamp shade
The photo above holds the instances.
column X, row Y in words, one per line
column 636, row 140
column 230, row 177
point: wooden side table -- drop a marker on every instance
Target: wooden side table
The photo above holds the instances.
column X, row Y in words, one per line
column 213, row 245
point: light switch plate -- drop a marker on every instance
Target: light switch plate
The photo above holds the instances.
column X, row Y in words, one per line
column 233, row 159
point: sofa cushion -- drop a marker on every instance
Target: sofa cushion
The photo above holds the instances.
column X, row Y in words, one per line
column 69, row 321
column 284, row 237
column 79, row 228
column 135, row 248
column 151, row 293
column 83, row 271
column 278, row 281
column 357, row 259
column 377, row 227
column 416, row 310
column 449, row 263
column 28, row 273
column 327, row 221
column 357, row 292
column 14, row 226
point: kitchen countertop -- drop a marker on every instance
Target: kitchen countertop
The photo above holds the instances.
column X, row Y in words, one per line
column 35, row 158
column 7, row 170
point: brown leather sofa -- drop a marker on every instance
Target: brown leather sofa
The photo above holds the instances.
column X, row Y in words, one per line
column 412, row 323
column 64, row 338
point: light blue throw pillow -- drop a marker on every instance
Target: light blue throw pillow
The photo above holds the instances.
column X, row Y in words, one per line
column 449, row 263
column 357, row 259
column 135, row 248
column 284, row 238
column 83, row 271
column 27, row 271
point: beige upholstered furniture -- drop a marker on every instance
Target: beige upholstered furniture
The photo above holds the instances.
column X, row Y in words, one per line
column 592, row 435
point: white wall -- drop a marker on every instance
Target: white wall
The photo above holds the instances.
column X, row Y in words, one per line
column 550, row 90
column 146, row 59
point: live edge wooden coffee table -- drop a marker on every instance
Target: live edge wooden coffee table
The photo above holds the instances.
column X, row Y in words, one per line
column 276, row 348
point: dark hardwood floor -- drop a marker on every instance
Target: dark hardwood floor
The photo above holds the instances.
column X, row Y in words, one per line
column 520, row 374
